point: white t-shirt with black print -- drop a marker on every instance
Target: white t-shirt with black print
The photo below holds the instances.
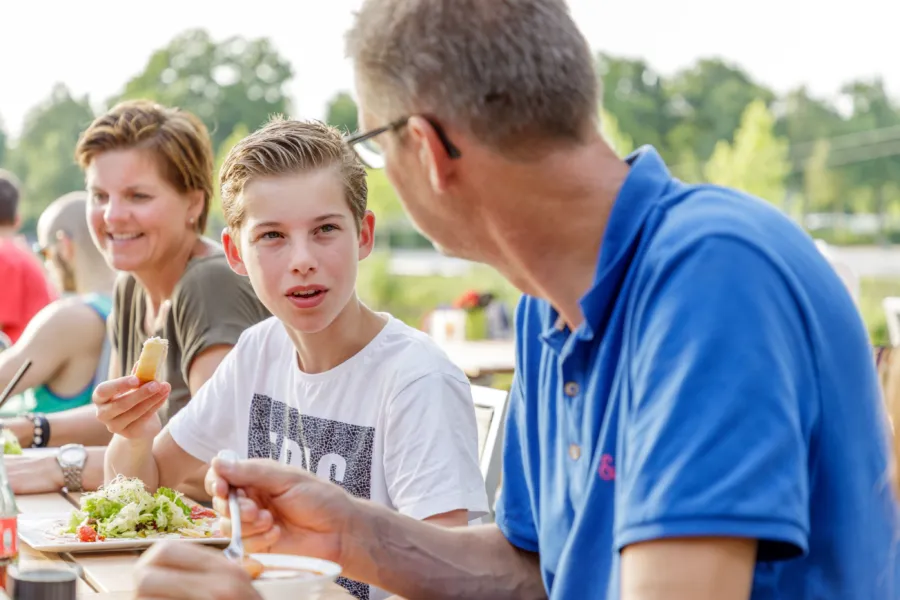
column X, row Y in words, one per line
column 395, row 423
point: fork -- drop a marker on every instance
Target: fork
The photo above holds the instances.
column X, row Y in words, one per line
column 235, row 549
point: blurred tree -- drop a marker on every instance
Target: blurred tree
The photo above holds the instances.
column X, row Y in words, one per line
column 757, row 162
column 634, row 94
column 706, row 102
column 43, row 155
column 342, row 113
column 225, row 84
column 615, row 137
column 805, row 121
column 3, row 143
column 872, row 157
column 216, row 217
column 822, row 189
column 687, row 167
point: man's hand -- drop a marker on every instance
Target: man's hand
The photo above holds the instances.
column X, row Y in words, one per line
column 179, row 571
column 128, row 408
column 283, row 509
column 291, row 511
column 34, row 474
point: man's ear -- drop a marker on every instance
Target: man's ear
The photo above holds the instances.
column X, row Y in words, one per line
column 431, row 152
column 366, row 235
column 233, row 253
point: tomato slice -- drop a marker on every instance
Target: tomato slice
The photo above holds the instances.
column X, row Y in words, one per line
column 201, row 512
column 87, row 534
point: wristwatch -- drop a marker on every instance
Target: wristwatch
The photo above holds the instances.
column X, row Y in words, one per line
column 71, row 459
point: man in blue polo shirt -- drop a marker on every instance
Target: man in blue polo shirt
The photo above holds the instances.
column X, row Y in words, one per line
column 695, row 413
column 721, row 385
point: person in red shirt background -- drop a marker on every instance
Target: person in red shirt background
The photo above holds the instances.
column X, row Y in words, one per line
column 24, row 289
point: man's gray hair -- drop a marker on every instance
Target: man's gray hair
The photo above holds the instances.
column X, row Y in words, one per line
column 507, row 71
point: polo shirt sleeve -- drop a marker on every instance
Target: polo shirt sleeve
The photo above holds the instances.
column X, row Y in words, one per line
column 514, row 512
column 722, row 391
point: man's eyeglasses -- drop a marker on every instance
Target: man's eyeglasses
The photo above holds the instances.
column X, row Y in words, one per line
column 372, row 155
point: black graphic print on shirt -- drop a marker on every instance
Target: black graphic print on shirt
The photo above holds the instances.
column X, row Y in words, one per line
column 337, row 451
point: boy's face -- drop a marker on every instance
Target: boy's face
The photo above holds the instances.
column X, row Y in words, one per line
column 300, row 247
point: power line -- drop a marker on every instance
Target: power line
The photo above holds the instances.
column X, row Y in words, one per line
column 847, row 141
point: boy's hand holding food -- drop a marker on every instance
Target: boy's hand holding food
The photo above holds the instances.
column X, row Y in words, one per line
column 128, row 405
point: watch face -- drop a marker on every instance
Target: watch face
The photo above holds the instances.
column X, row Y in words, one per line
column 72, row 455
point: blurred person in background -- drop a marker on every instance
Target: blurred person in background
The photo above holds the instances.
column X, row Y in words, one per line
column 24, row 289
column 149, row 174
column 66, row 341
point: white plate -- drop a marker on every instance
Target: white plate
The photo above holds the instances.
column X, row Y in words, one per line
column 318, row 576
column 40, row 531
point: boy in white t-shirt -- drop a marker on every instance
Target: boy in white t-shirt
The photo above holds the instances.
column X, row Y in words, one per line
column 326, row 384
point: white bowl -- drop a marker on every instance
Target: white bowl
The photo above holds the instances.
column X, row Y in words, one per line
column 313, row 575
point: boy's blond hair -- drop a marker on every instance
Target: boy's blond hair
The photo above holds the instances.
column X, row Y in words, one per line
column 177, row 138
column 283, row 147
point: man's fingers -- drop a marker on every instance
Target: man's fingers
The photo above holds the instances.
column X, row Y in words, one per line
column 108, row 390
column 249, row 508
column 184, row 557
column 262, row 542
column 168, row 584
column 262, row 523
column 264, row 475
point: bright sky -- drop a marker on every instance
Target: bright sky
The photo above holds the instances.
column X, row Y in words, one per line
column 95, row 46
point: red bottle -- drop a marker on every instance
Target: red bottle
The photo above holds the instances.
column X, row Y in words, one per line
column 9, row 547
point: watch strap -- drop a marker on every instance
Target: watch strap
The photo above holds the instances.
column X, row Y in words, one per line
column 72, row 478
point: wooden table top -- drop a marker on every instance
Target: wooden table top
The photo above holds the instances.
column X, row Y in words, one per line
column 105, row 575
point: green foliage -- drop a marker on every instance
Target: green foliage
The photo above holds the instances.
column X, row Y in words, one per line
column 383, row 201
column 707, row 102
column 710, row 121
column 615, row 137
column 757, row 161
column 236, row 81
column 3, row 144
column 342, row 113
column 410, row 298
column 43, row 157
column 635, row 95
column 216, row 217
column 872, row 292
column 821, row 186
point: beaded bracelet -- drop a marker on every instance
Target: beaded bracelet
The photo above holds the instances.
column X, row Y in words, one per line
column 41, row 435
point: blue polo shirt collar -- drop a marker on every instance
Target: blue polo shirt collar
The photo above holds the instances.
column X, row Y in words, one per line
column 643, row 187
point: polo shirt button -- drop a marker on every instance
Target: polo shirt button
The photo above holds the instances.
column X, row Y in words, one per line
column 575, row 451
column 571, row 389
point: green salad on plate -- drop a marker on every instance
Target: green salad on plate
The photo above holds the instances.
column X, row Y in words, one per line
column 125, row 509
column 10, row 442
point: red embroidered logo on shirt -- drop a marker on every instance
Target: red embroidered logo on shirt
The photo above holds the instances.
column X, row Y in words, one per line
column 607, row 470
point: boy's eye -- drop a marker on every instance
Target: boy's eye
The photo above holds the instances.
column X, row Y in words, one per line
column 98, row 198
column 270, row 235
column 141, row 196
column 328, row 228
